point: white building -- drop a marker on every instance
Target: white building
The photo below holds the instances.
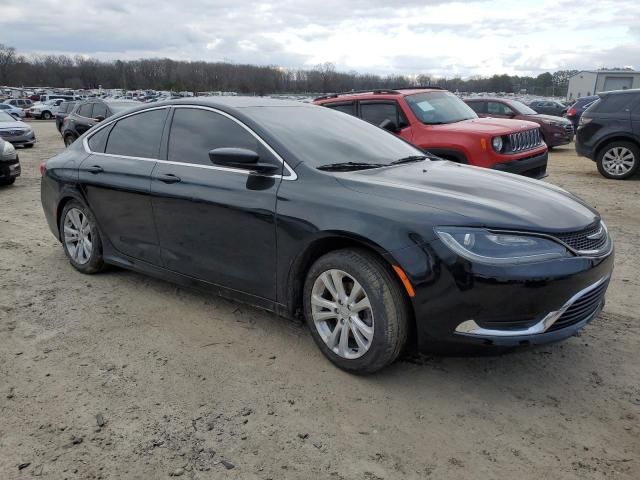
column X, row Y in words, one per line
column 590, row 82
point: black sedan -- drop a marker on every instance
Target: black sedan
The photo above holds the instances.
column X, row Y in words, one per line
column 305, row 211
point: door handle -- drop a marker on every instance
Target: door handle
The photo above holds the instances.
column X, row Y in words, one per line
column 168, row 178
column 95, row 169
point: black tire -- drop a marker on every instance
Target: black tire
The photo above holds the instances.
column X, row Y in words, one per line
column 68, row 140
column 7, row 181
column 389, row 306
column 610, row 148
column 46, row 115
column 95, row 262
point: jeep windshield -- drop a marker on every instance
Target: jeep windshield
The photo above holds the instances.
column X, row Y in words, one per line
column 439, row 108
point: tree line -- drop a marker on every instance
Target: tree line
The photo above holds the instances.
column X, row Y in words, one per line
column 78, row 72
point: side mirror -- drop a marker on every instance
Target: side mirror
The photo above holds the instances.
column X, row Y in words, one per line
column 241, row 158
column 389, row 125
column 15, row 115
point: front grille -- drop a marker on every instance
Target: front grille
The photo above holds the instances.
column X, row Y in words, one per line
column 523, row 141
column 569, row 129
column 582, row 308
column 580, row 241
column 11, row 133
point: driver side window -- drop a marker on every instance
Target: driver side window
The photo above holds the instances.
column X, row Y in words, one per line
column 377, row 113
column 497, row 108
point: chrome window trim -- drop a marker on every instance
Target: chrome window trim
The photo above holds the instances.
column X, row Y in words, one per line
column 470, row 327
column 291, row 174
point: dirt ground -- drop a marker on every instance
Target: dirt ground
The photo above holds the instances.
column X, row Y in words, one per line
column 120, row 376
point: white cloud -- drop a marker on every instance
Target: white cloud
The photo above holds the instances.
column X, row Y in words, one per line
column 414, row 36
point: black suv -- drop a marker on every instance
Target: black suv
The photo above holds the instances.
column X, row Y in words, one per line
column 88, row 113
column 609, row 133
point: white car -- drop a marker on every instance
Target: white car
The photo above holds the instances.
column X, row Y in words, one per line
column 45, row 110
column 12, row 110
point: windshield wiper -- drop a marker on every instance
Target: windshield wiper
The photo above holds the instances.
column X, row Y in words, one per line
column 347, row 166
column 409, row 159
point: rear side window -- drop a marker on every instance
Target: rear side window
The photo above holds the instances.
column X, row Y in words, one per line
column 138, row 135
column 98, row 141
column 84, row 110
column 194, row 132
column 349, row 108
column 614, row 103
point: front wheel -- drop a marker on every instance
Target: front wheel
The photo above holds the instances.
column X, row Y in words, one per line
column 356, row 311
column 618, row 160
column 46, row 116
column 81, row 238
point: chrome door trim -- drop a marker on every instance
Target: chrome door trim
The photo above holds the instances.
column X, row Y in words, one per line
column 291, row 174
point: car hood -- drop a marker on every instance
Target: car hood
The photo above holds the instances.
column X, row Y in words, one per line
column 480, row 197
column 12, row 125
column 489, row 126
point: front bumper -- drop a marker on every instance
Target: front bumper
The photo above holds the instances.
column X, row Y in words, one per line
column 554, row 137
column 533, row 167
column 9, row 169
column 28, row 138
column 461, row 304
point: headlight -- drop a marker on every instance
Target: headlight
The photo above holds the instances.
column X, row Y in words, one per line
column 8, row 149
column 496, row 143
column 495, row 248
column 554, row 123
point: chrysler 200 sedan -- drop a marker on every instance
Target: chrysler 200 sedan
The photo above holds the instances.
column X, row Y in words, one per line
column 310, row 212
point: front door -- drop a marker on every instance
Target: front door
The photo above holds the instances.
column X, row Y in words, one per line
column 215, row 224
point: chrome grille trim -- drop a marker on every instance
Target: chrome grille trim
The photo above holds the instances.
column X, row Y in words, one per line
column 523, row 141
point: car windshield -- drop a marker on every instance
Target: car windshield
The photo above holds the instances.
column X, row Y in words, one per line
column 117, row 107
column 437, row 108
column 319, row 136
column 5, row 117
column 522, row 108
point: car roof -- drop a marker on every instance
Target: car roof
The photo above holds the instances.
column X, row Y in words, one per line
column 382, row 93
column 628, row 91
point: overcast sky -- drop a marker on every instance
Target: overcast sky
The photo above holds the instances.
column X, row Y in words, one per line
column 472, row 37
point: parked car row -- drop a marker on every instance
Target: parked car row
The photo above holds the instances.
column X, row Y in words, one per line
column 313, row 213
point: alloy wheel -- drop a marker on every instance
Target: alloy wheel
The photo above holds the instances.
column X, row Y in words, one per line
column 78, row 236
column 342, row 314
column 618, row 161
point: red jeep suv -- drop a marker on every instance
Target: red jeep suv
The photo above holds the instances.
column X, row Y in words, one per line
column 437, row 121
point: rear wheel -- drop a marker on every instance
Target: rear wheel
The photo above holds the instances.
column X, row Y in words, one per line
column 356, row 311
column 7, row 181
column 81, row 238
column 68, row 140
column 619, row 160
column 46, row 115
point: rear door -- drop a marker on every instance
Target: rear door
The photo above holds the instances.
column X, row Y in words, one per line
column 215, row 224
column 116, row 179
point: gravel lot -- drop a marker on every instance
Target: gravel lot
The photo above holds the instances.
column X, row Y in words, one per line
column 120, row 376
